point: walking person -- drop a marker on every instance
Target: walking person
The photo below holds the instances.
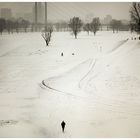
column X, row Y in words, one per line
column 62, row 54
column 63, row 126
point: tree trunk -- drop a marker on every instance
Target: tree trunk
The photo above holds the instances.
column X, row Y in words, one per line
column 113, row 31
column 46, row 43
column 75, row 35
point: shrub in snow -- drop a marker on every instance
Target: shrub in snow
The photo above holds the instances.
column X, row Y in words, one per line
column 47, row 37
column 47, row 33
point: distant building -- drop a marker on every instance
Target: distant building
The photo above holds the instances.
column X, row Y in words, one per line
column 107, row 19
column 6, row 13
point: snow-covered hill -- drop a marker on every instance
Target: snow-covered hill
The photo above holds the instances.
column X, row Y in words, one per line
column 96, row 90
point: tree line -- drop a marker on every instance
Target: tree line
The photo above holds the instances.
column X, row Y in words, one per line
column 76, row 25
column 13, row 25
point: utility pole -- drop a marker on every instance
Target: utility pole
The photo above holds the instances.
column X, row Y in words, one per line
column 35, row 16
column 45, row 16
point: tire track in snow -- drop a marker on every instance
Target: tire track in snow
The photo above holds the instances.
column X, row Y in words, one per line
column 63, row 92
column 115, row 108
column 68, row 93
column 112, row 108
column 92, row 67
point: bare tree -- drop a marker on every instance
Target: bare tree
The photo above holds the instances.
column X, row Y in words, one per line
column 64, row 25
column 135, row 15
column 47, row 37
column 95, row 24
column 9, row 26
column 115, row 25
column 87, row 28
column 57, row 26
column 75, row 24
column 2, row 25
column 16, row 26
column 50, row 30
column 61, row 26
column 47, row 33
column 25, row 24
column 132, row 27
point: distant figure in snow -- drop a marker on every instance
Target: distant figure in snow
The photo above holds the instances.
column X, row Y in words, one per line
column 72, row 53
column 62, row 54
column 63, row 126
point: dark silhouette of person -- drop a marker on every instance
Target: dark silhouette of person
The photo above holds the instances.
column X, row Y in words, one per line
column 63, row 125
column 62, row 54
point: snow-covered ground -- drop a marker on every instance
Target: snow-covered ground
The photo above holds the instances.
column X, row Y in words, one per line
column 95, row 91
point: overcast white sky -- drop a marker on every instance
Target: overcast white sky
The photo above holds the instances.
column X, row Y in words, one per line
column 66, row 10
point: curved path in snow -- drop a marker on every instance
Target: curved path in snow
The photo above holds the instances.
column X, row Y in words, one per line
column 91, row 69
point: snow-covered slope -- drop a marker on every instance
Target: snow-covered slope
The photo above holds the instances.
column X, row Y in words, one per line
column 95, row 91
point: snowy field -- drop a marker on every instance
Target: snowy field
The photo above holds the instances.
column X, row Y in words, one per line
column 96, row 91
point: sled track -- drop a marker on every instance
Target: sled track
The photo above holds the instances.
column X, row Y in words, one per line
column 61, row 92
column 114, row 108
column 93, row 65
column 111, row 107
column 68, row 93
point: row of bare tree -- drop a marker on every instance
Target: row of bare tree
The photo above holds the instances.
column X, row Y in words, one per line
column 13, row 25
column 77, row 25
